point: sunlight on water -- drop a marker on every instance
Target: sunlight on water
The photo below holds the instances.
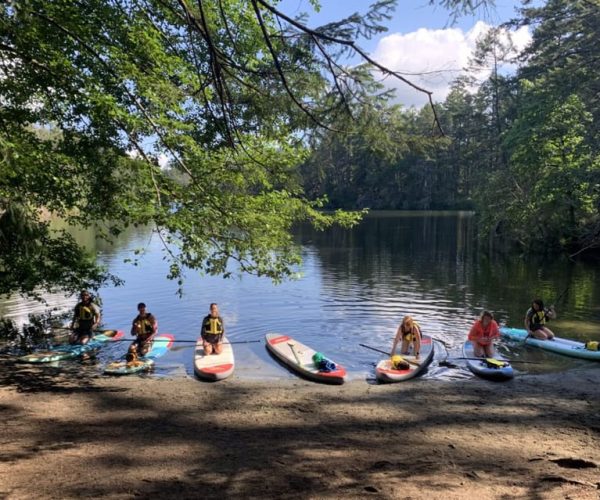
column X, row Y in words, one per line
column 356, row 287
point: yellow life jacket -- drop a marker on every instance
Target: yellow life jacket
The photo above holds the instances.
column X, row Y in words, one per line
column 538, row 317
column 592, row 345
column 146, row 326
column 397, row 362
column 408, row 336
column 86, row 313
column 212, row 326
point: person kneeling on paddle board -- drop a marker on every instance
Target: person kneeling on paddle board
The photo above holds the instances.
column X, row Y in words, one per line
column 482, row 333
column 535, row 320
column 144, row 327
column 212, row 331
column 87, row 317
column 410, row 332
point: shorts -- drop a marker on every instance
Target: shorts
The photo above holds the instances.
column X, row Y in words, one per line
column 536, row 326
column 80, row 332
column 142, row 343
column 212, row 338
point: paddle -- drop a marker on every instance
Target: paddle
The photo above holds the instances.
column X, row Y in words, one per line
column 294, row 353
column 507, row 360
column 387, row 354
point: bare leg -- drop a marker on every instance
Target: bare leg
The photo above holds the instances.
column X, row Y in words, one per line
column 489, row 350
column 539, row 334
column 478, row 350
column 404, row 347
column 218, row 348
column 549, row 333
column 208, row 348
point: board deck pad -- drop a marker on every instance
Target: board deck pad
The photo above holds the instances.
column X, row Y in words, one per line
column 72, row 351
column 298, row 357
column 214, row 366
column 160, row 346
column 559, row 345
column 481, row 368
column 385, row 373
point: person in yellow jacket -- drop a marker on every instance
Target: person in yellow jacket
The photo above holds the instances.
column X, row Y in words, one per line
column 410, row 333
column 87, row 317
column 212, row 331
column 143, row 327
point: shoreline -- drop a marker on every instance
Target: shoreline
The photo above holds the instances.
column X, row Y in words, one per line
column 68, row 436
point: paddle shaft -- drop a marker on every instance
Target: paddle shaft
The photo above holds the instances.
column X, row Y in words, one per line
column 388, row 354
column 294, row 352
column 507, row 360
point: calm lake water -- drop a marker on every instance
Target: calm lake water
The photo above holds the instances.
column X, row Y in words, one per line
column 356, row 286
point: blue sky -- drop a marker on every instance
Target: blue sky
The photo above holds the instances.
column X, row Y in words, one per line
column 410, row 15
column 420, row 39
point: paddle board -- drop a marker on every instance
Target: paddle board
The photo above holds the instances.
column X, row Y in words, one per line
column 481, row 368
column 385, row 373
column 213, row 366
column 72, row 351
column 298, row 357
column 559, row 345
column 160, row 346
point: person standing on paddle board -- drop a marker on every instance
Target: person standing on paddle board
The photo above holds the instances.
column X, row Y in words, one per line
column 482, row 333
column 212, row 331
column 144, row 327
column 87, row 317
column 410, row 333
column 535, row 320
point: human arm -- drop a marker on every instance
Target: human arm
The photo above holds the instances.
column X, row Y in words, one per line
column 528, row 321
column 396, row 340
column 473, row 333
column 494, row 330
column 550, row 312
column 97, row 317
column 75, row 316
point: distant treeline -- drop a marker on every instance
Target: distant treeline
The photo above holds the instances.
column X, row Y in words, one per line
column 522, row 150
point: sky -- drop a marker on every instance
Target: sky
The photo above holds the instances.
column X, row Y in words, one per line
column 420, row 39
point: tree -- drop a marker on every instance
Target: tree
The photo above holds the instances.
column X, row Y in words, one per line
column 222, row 89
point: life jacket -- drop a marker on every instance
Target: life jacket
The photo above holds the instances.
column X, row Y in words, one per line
column 212, row 326
column 86, row 312
column 146, row 326
column 410, row 336
column 397, row 362
column 592, row 345
column 537, row 317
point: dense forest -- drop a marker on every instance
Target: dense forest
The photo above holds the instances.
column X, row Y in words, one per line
column 522, row 150
column 223, row 124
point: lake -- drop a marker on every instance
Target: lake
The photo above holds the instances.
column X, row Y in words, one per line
column 355, row 287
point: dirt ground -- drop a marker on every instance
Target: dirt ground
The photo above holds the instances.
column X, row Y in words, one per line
column 70, row 436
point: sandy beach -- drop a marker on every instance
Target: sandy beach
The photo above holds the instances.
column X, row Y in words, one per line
column 70, row 436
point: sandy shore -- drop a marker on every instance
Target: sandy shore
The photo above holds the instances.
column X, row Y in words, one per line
column 67, row 436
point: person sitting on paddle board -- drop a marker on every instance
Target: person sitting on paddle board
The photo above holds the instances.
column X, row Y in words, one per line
column 482, row 333
column 535, row 320
column 212, row 331
column 87, row 317
column 143, row 327
column 410, row 332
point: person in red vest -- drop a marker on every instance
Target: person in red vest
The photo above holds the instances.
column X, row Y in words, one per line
column 482, row 333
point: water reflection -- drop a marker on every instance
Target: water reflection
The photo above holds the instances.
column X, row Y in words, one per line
column 356, row 286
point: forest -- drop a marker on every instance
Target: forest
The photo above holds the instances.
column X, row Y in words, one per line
column 223, row 124
column 522, row 150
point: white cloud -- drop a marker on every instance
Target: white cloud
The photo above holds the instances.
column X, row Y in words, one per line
column 438, row 56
